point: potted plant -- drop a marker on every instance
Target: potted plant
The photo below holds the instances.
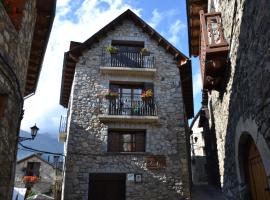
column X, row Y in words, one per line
column 110, row 95
column 147, row 95
column 29, row 181
column 112, row 49
column 145, row 52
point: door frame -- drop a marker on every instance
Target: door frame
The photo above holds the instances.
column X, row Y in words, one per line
column 245, row 129
column 104, row 176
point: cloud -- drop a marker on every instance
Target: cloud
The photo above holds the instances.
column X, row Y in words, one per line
column 197, row 84
column 176, row 32
column 91, row 15
column 156, row 18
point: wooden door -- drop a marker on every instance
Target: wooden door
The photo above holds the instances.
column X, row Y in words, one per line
column 107, row 187
column 256, row 175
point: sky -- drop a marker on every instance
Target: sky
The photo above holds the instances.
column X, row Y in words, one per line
column 77, row 21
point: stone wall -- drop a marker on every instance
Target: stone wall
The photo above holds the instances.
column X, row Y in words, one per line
column 87, row 136
column 247, row 94
column 46, row 175
column 14, row 53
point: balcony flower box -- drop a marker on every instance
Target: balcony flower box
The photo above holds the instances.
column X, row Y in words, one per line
column 147, row 95
column 110, row 95
column 29, row 181
column 112, row 49
column 145, row 52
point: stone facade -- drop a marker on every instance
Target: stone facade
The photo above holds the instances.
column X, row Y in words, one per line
column 86, row 145
column 15, row 48
column 47, row 174
column 198, row 155
column 243, row 107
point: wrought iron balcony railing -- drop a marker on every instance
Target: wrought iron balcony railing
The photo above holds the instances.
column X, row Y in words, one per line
column 128, row 106
column 127, row 59
column 63, row 125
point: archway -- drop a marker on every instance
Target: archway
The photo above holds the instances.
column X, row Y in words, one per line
column 252, row 160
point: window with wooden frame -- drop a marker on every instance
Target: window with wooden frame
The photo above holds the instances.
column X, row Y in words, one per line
column 126, row 141
column 3, row 104
column 129, row 101
column 32, row 169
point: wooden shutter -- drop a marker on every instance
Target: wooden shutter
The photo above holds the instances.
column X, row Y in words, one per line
column 36, row 168
column 113, row 142
column 140, row 141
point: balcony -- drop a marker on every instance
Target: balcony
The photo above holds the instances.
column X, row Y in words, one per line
column 127, row 63
column 126, row 109
column 213, row 51
column 63, row 129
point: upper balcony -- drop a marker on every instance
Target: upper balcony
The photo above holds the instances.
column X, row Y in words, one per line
column 128, row 63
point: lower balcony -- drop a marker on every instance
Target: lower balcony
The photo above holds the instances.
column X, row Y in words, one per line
column 127, row 110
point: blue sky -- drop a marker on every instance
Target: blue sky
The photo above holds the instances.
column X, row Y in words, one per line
column 77, row 21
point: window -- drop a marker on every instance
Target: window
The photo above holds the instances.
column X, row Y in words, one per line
column 129, row 100
column 126, row 141
column 32, row 169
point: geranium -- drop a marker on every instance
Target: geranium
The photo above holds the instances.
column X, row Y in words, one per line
column 9, row 6
column 30, row 179
column 147, row 93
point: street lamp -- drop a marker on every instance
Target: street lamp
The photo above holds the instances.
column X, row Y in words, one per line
column 34, row 130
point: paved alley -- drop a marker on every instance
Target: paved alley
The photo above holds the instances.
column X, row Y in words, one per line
column 206, row 192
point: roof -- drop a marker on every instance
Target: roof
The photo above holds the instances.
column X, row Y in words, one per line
column 193, row 19
column 76, row 49
column 43, row 26
column 34, row 155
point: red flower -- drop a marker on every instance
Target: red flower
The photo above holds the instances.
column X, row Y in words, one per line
column 30, row 179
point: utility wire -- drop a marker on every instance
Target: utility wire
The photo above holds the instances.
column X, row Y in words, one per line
column 40, row 151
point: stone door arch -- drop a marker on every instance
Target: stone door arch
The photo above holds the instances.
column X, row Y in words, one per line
column 247, row 137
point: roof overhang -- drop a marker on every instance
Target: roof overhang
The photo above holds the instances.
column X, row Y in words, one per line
column 42, row 30
column 193, row 20
column 187, row 89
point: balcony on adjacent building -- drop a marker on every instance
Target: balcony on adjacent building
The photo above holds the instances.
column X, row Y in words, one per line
column 63, row 129
column 128, row 62
column 213, row 51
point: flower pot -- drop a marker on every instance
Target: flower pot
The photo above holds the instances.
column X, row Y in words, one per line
column 146, row 53
column 146, row 98
column 110, row 97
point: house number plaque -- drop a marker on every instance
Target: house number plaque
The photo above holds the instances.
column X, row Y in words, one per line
column 155, row 162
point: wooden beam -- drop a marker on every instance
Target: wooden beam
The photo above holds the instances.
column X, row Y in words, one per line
column 73, row 57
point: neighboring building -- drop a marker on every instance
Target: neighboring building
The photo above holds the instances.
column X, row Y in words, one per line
column 24, row 32
column 49, row 174
column 133, row 141
column 235, row 65
column 198, row 158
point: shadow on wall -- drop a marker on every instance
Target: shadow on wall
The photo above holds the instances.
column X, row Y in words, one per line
column 250, row 86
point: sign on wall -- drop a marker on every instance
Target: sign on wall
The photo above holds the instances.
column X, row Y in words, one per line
column 155, row 162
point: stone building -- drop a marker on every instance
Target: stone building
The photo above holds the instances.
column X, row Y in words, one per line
column 198, row 158
column 24, row 31
column 232, row 40
column 127, row 132
column 48, row 173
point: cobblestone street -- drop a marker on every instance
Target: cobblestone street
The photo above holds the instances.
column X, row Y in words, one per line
column 206, row 192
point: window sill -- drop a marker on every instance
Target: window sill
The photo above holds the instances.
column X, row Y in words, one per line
column 127, row 118
column 128, row 153
column 128, row 71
